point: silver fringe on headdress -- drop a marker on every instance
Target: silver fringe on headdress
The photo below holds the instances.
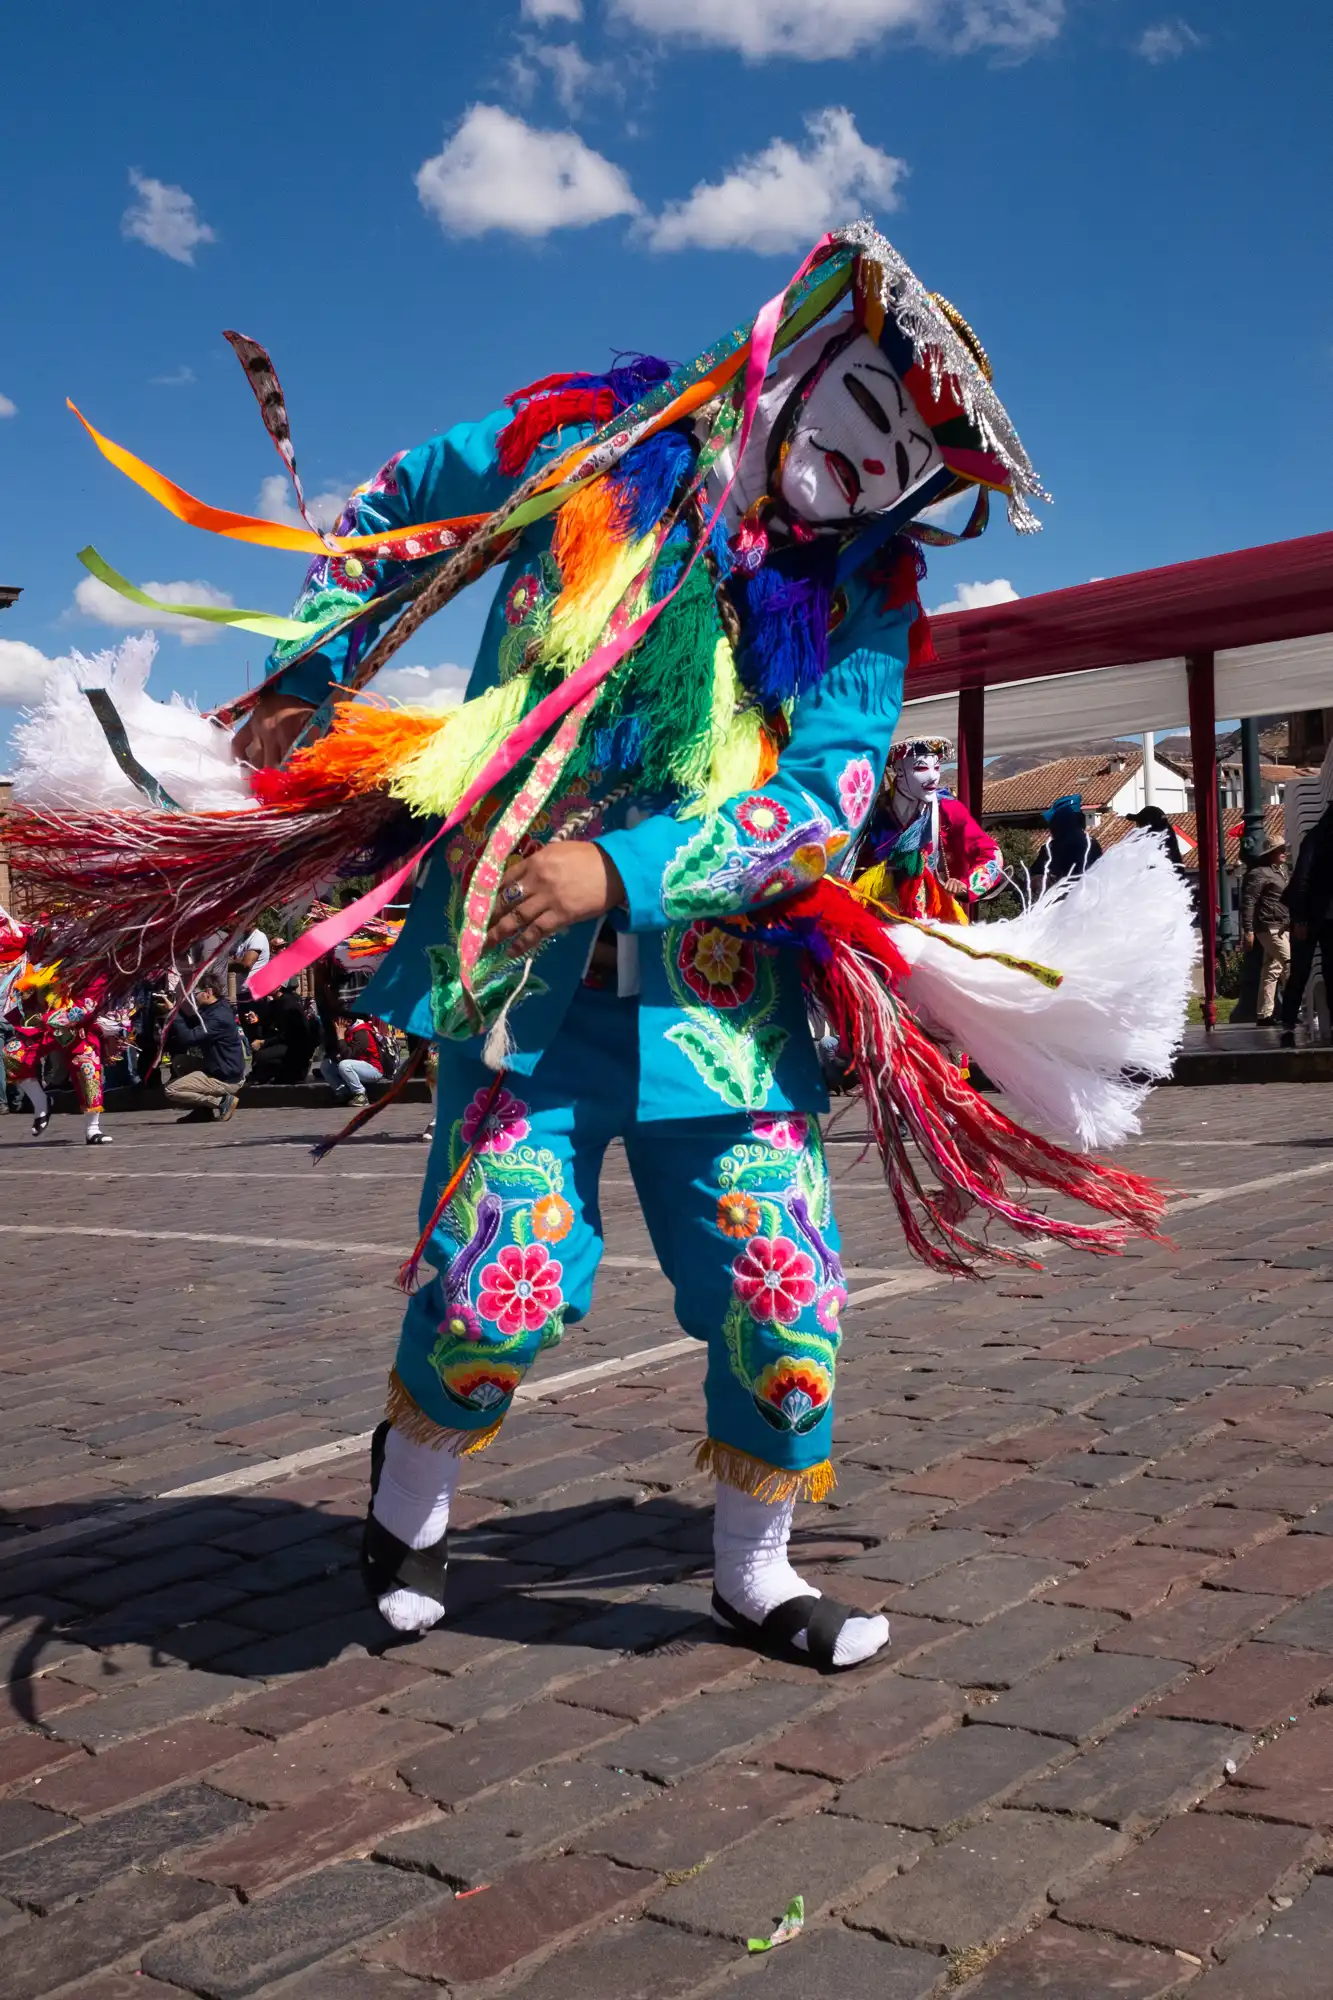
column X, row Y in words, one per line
column 940, row 347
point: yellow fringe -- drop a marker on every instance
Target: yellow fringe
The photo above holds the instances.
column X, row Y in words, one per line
column 737, row 739
column 434, row 779
column 763, row 1481
column 407, row 1416
column 583, row 611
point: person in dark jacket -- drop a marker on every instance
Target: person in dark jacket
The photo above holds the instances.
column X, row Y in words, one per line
column 1309, row 899
column 1070, row 849
column 282, row 1035
column 1263, row 918
column 207, row 1053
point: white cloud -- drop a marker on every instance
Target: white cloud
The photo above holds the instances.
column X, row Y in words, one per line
column 572, row 76
column 784, row 196
column 165, row 218
column 972, row 596
column 277, row 502
column 496, row 172
column 8, row 408
column 94, row 599
column 178, row 378
column 439, row 687
column 552, row 10
column 833, row 28
column 1167, row 41
column 24, row 673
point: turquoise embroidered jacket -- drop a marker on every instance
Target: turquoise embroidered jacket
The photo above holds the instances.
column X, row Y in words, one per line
column 722, row 1025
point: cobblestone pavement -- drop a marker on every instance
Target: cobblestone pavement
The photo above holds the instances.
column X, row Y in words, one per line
column 1096, row 1502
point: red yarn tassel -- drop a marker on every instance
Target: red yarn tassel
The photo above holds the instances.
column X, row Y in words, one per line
column 546, row 413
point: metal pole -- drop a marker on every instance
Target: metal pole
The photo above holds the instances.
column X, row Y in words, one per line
column 1251, row 780
column 1149, row 770
column 1203, row 752
column 1227, row 921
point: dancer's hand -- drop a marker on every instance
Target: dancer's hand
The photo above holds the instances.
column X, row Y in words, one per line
column 563, row 884
column 270, row 729
column 958, row 890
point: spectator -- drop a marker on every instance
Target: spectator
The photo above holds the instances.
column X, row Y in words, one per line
column 1309, row 900
column 1154, row 820
column 206, row 1051
column 1264, row 919
column 282, row 1036
column 253, row 951
column 1070, row 849
column 357, row 1058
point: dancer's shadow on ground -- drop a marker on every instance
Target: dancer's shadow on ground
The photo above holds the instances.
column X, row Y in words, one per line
column 264, row 1587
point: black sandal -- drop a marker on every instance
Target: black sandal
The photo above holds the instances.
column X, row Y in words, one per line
column 41, row 1119
column 389, row 1564
column 820, row 1618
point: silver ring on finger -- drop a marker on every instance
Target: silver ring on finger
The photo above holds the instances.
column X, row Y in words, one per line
column 512, row 894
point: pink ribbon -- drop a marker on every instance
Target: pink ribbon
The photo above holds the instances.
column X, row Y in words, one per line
column 337, row 928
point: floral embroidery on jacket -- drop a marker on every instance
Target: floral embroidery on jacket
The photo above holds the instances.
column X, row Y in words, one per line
column 856, row 790
column 732, row 1042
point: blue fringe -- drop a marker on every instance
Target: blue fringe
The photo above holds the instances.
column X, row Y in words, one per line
column 784, row 614
column 646, row 479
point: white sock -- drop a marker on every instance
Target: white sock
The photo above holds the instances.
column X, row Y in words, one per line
column 412, row 1501
column 93, row 1126
column 36, row 1097
column 751, row 1571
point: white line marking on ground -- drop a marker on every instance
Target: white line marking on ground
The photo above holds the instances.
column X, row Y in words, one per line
column 342, row 1249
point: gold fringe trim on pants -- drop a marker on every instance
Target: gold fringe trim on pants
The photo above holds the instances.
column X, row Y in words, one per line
column 408, row 1417
column 763, row 1481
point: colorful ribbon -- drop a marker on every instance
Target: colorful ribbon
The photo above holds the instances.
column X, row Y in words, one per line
column 265, row 623
column 332, row 931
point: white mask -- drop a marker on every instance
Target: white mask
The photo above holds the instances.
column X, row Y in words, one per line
column 917, row 777
column 859, row 444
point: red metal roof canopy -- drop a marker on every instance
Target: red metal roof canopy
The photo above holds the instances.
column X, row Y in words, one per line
column 1247, row 598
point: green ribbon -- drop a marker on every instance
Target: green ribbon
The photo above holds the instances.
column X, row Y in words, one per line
column 265, row 623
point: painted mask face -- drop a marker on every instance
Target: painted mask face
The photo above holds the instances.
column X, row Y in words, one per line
column 917, row 776
column 859, row 444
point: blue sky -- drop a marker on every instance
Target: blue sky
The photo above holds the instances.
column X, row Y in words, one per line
column 421, row 207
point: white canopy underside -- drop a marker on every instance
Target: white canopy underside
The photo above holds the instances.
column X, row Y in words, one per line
column 1291, row 674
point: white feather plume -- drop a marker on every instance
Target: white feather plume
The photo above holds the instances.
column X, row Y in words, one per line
column 63, row 760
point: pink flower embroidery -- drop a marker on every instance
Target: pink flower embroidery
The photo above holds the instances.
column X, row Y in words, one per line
column 764, row 819
column 506, row 1124
column 856, row 790
column 774, row 1279
column 459, row 1322
column 829, row 1310
column 787, row 1130
column 521, row 1289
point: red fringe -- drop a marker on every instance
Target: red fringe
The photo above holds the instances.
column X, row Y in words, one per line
column 128, row 894
column 546, row 413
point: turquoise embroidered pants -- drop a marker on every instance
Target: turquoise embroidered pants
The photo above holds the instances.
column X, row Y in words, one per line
column 739, row 1211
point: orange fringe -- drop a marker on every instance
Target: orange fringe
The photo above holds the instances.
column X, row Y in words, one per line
column 590, row 529
column 761, row 1480
column 407, row 1416
column 365, row 747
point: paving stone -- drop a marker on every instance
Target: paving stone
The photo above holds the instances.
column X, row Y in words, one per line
column 885, row 1717
column 81, row 1862
column 1132, row 1581
column 130, row 1986
column 26, row 1754
column 917, row 1557
column 336, row 1825
column 1193, row 1883
column 328, row 1753
column 679, row 1827
column 1012, row 1646
column 1290, row 1961
column 513, row 1824
column 536, row 1906
column 1219, row 1531
column 948, row 1780
column 635, row 1959
column 134, row 1711
column 39, row 1957
column 846, row 1963
column 134, row 1770
column 245, row 1950
column 524, row 1675
column 1059, row 1963
column 1199, row 1627
column 1257, row 1686
column 127, row 1581
column 1292, row 1489
column 1080, row 1534
column 962, row 1479
column 1292, row 1567
column 973, row 1591
column 331, row 1690
column 351, row 1979
column 23, row 1824
column 677, row 1743
column 1144, row 1771
column 1308, row 1625
column 640, row 1687
column 1288, row 1779
column 1085, row 1696
column 460, row 1766
column 994, row 1878
column 1017, row 1506
column 827, row 1860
